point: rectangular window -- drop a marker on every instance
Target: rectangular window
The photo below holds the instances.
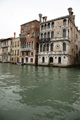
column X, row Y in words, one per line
column 26, row 53
column 31, row 59
column 18, row 43
column 32, row 25
column 27, row 28
column 17, row 52
column 31, row 53
column 76, row 47
column 15, row 44
column 12, row 52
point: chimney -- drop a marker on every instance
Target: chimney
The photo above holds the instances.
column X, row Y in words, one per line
column 43, row 19
column 70, row 11
column 40, row 18
column 71, row 14
column 14, row 35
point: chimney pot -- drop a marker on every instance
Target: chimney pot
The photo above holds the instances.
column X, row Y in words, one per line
column 14, row 35
column 40, row 17
column 70, row 11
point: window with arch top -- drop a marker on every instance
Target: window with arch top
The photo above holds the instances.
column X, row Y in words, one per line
column 64, row 46
column 64, row 32
column 64, row 22
column 52, row 34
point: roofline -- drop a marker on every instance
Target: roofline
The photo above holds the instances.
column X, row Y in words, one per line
column 6, row 39
column 67, row 16
column 29, row 22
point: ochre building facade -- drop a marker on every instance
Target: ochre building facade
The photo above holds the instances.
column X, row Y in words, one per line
column 15, row 50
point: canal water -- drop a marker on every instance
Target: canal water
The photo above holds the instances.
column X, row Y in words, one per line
column 39, row 93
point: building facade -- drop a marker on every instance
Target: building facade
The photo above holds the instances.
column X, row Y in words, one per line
column 58, row 41
column 6, row 49
column 15, row 50
column 0, row 52
column 28, row 39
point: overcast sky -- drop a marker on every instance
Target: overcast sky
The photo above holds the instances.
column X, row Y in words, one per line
column 13, row 13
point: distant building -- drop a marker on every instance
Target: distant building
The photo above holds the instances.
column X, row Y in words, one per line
column 58, row 41
column 15, row 50
column 6, row 49
column 28, row 40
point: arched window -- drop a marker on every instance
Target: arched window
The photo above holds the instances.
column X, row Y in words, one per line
column 44, row 47
column 48, row 34
column 48, row 25
column 41, row 27
column 64, row 22
column 64, row 32
column 52, row 24
column 44, row 35
column 64, row 46
column 41, row 48
column 51, row 46
column 41, row 35
column 45, row 26
column 43, row 59
column 47, row 47
column 52, row 34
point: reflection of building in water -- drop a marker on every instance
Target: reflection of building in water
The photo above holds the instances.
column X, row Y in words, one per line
column 58, row 41
column 28, row 39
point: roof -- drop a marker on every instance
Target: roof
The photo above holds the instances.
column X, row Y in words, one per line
column 63, row 17
column 30, row 22
column 6, row 39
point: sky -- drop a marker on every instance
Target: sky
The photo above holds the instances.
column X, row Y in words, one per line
column 13, row 13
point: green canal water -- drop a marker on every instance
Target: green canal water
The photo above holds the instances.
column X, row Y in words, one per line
column 39, row 93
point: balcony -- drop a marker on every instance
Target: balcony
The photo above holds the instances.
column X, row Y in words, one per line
column 25, row 49
column 44, row 40
column 5, row 52
column 4, row 46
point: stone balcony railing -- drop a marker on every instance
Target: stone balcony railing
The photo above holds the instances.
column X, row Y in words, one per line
column 3, row 46
column 25, row 49
column 44, row 40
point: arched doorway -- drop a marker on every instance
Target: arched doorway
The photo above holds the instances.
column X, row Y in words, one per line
column 43, row 59
column 51, row 60
column 59, row 60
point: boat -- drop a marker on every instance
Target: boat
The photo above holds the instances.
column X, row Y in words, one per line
column 19, row 63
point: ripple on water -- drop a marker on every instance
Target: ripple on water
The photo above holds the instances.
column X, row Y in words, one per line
column 39, row 93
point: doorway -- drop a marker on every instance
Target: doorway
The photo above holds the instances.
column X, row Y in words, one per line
column 59, row 60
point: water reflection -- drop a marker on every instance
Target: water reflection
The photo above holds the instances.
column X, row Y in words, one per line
column 39, row 93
